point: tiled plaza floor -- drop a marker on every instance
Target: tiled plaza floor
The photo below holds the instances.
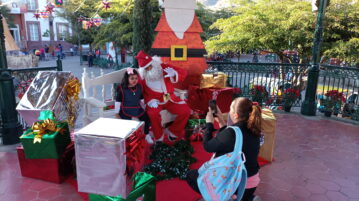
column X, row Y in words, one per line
column 316, row 159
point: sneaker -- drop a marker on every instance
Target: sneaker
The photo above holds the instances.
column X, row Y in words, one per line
column 149, row 139
column 257, row 198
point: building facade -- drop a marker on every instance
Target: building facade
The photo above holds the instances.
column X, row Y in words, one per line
column 31, row 33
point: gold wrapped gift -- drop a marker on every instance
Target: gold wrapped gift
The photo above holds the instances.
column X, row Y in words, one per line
column 268, row 130
column 217, row 80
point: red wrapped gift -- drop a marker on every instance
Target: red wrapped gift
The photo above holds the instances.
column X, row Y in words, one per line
column 52, row 170
column 198, row 98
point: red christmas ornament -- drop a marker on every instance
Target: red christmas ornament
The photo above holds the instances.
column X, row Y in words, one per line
column 50, row 7
column 106, row 5
column 37, row 15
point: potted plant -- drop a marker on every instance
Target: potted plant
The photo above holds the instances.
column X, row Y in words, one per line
column 259, row 94
column 332, row 102
column 290, row 96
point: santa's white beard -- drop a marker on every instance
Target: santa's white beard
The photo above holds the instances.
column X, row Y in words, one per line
column 152, row 75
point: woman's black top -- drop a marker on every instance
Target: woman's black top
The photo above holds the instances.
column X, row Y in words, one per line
column 224, row 143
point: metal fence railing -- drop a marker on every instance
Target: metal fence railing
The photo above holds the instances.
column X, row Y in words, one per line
column 274, row 77
column 106, row 63
column 346, row 81
column 277, row 77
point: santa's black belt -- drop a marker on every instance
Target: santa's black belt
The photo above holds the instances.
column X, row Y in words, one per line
column 166, row 52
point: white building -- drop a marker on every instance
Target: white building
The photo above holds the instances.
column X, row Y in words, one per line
column 31, row 33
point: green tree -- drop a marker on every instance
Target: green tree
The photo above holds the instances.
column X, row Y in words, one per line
column 5, row 12
column 143, row 33
column 118, row 28
column 272, row 25
column 72, row 11
column 207, row 17
column 341, row 35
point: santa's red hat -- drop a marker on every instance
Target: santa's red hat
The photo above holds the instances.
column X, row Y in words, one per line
column 144, row 60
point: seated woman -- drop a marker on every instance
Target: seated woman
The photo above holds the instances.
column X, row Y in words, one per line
column 247, row 117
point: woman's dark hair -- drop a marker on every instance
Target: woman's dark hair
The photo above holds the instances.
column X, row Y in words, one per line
column 125, row 82
column 250, row 113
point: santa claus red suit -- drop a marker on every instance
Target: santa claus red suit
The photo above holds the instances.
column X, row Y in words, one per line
column 158, row 91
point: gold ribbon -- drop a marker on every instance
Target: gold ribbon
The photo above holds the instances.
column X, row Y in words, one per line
column 73, row 88
column 39, row 129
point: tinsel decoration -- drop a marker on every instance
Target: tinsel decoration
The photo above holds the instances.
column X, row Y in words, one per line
column 106, row 4
column 97, row 20
column 50, row 7
column 170, row 161
column 44, row 14
column 90, row 24
column 37, row 15
column 58, row 3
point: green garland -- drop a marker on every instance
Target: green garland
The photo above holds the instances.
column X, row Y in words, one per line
column 170, row 161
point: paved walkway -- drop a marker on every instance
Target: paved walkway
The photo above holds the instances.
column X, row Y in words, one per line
column 316, row 159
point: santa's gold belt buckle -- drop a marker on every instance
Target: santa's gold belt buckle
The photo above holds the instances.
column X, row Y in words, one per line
column 166, row 97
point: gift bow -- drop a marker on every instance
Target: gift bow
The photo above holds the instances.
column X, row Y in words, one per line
column 46, row 125
column 41, row 128
column 73, row 88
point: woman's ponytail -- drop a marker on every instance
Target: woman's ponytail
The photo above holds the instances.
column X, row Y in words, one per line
column 255, row 120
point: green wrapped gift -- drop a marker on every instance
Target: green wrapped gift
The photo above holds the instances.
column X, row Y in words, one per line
column 143, row 186
column 46, row 138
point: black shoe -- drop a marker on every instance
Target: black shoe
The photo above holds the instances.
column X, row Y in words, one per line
column 172, row 138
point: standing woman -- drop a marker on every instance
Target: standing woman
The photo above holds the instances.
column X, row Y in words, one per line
column 247, row 117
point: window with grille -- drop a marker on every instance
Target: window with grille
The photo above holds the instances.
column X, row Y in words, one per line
column 31, row 4
column 34, row 32
column 63, row 30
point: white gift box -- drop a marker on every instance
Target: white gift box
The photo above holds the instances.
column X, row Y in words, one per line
column 100, row 149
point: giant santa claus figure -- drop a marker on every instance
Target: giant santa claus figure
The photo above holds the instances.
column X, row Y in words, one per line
column 158, row 91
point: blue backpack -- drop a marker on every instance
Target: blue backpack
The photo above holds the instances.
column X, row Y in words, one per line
column 219, row 178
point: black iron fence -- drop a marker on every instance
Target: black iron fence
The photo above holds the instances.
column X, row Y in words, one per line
column 344, row 80
column 277, row 78
column 273, row 78
column 109, row 63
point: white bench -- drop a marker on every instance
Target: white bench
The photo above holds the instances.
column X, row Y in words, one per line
column 94, row 106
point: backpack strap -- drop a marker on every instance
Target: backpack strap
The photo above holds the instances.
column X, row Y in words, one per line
column 239, row 139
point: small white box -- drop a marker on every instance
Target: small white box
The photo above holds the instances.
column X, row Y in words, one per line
column 100, row 149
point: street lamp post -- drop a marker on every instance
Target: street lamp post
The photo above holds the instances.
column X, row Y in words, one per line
column 11, row 128
column 309, row 106
column 51, row 26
